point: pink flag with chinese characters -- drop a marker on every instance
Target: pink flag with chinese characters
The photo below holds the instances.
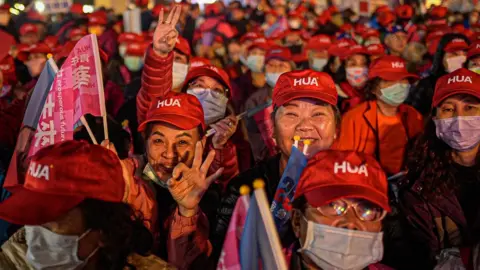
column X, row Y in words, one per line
column 230, row 256
column 77, row 90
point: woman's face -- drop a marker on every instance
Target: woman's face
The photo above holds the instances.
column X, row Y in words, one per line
column 277, row 66
column 73, row 223
column 458, row 105
column 308, row 119
column 451, row 55
column 356, row 60
column 168, row 145
column 384, row 84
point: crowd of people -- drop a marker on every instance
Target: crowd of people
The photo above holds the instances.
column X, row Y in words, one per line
column 385, row 107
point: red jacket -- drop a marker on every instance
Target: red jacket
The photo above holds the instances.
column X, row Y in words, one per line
column 156, row 82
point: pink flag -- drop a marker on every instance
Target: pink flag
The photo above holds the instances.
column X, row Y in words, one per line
column 76, row 91
column 230, row 256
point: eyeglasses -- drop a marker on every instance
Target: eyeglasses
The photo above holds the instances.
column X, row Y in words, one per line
column 198, row 84
column 365, row 210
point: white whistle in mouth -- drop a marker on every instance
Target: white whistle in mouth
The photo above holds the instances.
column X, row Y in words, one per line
column 296, row 139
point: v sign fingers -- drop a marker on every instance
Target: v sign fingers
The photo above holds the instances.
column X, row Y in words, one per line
column 165, row 35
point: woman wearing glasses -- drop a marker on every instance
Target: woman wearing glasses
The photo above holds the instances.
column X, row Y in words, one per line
column 339, row 205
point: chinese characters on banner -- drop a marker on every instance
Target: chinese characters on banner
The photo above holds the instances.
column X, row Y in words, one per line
column 77, row 90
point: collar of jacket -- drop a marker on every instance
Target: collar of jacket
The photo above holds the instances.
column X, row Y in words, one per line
column 370, row 114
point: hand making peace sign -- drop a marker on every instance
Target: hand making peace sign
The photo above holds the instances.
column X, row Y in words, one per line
column 166, row 35
column 188, row 185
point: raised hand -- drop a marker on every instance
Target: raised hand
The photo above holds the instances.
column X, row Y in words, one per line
column 224, row 129
column 166, row 35
column 188, row 185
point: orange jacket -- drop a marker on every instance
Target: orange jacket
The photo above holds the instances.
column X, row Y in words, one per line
column 359, row 128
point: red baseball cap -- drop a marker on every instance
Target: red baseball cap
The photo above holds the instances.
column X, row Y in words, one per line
column 199, row 61
column 331, row 175
column 461, row 81
column 60, row 177
column 130, row 37
column 386, row 18
column 390, row 68
column 456, row 44
column 260, row 43
column 210, row 71
column 370, row 33
column 34, row 48
column 375, row 49
column 404, row 11
column 51, row 41
column 340, row 46
column 28, row 28
column 438, row 12
column 136, row 49
column 181, row 110
column 474, row 49
column 304, row 84
column 97, row 18
column 355, row 49
column 77, row 33
column 250, row 36
column 280, row 53
column 183, row 46
column 319, row 42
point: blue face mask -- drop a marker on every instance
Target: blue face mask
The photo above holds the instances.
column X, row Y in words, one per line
column 395, row 94
column 319, row 63
column 133, row 63
column 272, row 78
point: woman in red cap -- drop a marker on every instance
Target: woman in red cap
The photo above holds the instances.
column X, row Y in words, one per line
column 75, row 220
column 339, row 205
column 352, row 77
column 441, row 199
column 304, row 108
column 382, row 126
column 450, row 56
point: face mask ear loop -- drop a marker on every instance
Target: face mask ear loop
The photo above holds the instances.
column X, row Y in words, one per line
column 93, row 252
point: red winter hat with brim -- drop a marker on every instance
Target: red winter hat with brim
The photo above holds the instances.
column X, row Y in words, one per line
column 60, row 177
column 304, row 84
column 353, row 50
column 375, row 49
column 28, row 28
column 331, row 175
column 461, row 81
column 474, row 50
column 456, row 44
column 181, row 110
column 319, row 42
column 340, row 47
column 280, row 53
column 210, row 71
column 390, row 68
column 34, row 48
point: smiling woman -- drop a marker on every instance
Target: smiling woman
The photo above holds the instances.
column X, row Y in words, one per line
column 304, row 106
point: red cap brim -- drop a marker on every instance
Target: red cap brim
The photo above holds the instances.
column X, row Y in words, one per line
column 27, row 207
column 454, row 48
column 438, row 99
column 180, row 121
column 395, row 76
column 323, row 195
column 298, row 94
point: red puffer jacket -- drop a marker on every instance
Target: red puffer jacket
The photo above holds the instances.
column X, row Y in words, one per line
column 156, row 82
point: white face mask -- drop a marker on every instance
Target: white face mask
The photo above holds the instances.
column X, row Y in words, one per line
column 122, row 49
column 475, row 69
column 357, row 76
column 255, row 63
column 319, row 63
column 272, row 78
column 48, row 250
column 454, row 63
column 179, row 74
column 395, row 94
column 133, row 63
column 214, row 104
column 333, row 248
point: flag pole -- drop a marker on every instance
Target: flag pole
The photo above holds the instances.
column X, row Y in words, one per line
column 101, row 93
column 271, row 229
column 90, row 133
